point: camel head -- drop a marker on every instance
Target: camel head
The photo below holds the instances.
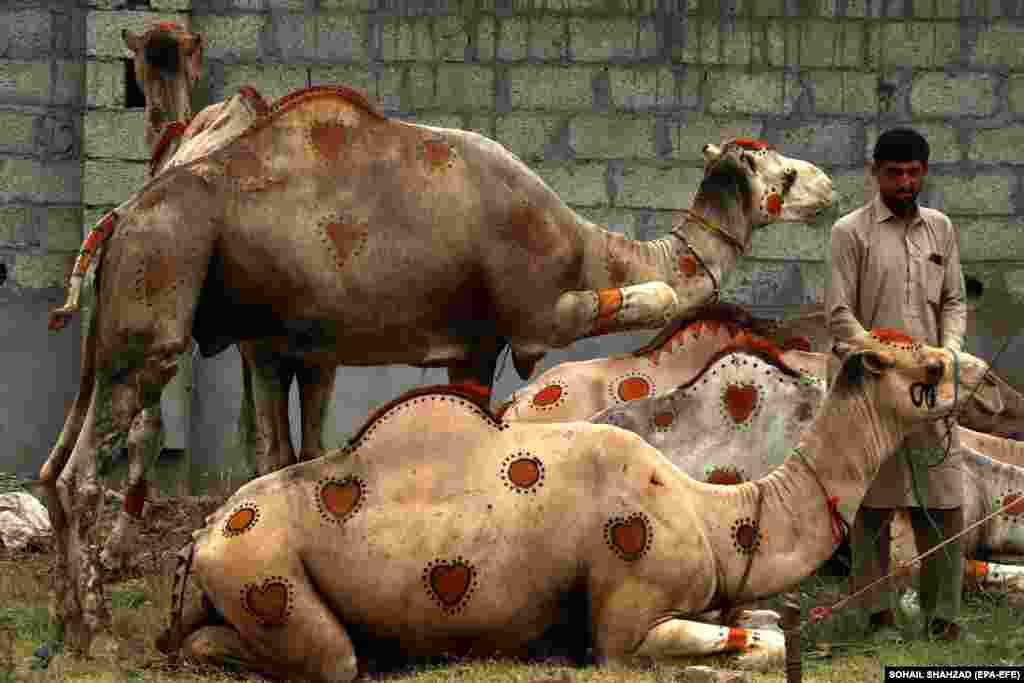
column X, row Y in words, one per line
column 911, row 382
column 167, row 60
column 780, row 188
column 979, row 388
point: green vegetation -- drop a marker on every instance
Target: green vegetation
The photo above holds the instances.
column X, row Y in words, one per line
column 833, row 651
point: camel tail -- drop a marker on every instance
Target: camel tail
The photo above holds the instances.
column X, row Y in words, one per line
column 92, row 248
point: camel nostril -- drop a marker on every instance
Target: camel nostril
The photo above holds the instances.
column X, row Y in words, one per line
column 935, row 370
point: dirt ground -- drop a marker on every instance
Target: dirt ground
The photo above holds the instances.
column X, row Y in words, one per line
column 167, row 524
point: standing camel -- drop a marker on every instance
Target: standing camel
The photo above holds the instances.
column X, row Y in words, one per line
column 167, row 63
column 385, row 544
column 355, row 239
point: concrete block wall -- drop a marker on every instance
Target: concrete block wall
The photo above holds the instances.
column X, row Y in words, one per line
column 42, row 94
column 609, row 100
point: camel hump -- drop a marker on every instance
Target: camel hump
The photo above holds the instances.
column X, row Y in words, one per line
column 764, row 349
column 341, row 93
column 734, row 317
column 752, row 345
column 415, row 405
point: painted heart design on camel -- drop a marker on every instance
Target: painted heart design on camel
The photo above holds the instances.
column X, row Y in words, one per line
column 348, row 239
column 450, row 582
column 329, row 138
column 1016, row 503
column 269, row 603
column 740, row 401
column 241, row 520
column 629, row 537
column 634, row 388
column 548, row 395
column 664, row 420
column 341, row 498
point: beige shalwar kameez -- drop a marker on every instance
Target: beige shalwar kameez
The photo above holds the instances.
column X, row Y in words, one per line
column 890, row 272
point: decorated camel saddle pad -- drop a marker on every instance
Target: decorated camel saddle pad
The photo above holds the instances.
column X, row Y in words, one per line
column 736, row 420
column 213, row 128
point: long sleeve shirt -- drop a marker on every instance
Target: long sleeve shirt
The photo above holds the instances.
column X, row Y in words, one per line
column 888, row 272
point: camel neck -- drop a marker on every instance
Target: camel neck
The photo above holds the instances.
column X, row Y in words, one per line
column 795, row 524
column 613, row 260
column 167, row 101
column 717, row 235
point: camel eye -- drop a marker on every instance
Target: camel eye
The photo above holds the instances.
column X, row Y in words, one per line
column 788, row 179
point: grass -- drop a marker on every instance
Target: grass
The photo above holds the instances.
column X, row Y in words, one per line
column 833, row 650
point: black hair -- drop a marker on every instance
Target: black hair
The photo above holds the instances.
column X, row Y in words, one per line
column 901, row 144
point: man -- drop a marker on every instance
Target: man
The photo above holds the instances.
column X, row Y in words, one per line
column 897, row 265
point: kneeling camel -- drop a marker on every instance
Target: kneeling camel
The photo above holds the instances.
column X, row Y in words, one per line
column 739, row 417
column 441, row 530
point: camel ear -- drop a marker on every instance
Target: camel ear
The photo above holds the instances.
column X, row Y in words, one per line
column 841, row 350
column 711, row 152
column 132, row 40
column 856, row 367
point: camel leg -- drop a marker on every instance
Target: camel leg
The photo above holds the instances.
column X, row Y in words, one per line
column 478, row 370
column 64, row 598
column 272, row 376
column 589, row 313
column 994, row 575
column 311, row 645
column 145, row 439
column 79, row 494
column 316, row 385
column 248, row 431
column 682, row 638
column 115, row 405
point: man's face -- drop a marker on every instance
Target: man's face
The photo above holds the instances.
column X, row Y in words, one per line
column 899, row 183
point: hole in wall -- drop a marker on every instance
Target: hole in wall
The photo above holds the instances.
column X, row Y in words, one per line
column 133, row 95
column 973, row 287
column 3, row 273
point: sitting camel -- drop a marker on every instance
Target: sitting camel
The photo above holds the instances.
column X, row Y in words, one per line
column 578, row 390
column 473, row 552
column 385, row 242
column 743, row 413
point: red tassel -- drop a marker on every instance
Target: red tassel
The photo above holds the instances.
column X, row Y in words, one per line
column 135, row 499
column 819, row 614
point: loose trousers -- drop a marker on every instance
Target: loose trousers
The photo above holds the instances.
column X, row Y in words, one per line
column 941, row 575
